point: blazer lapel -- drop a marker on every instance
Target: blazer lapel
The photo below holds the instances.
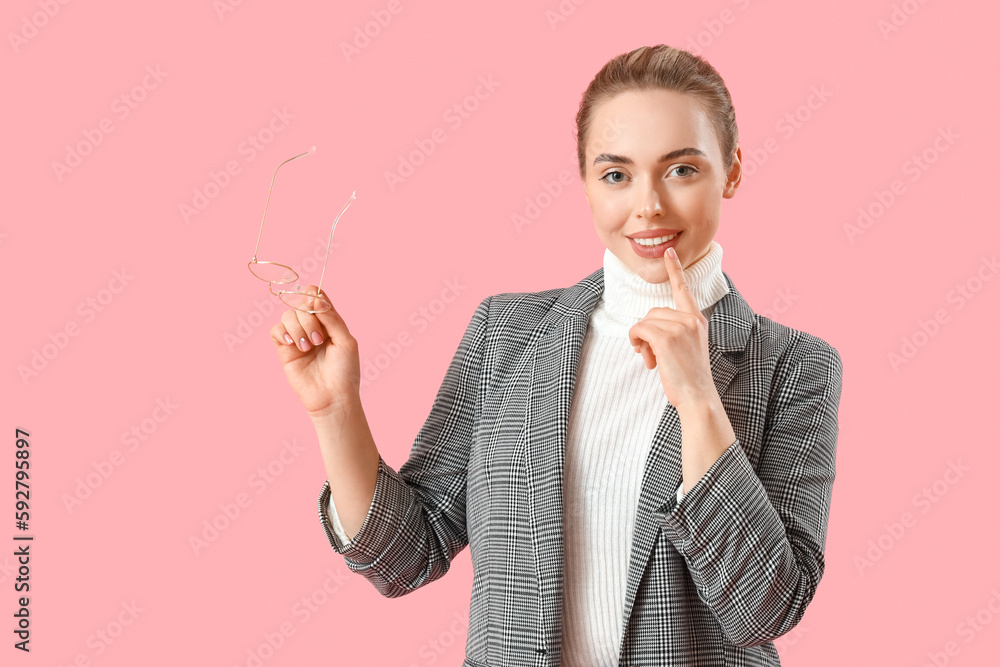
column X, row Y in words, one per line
column 558, row 340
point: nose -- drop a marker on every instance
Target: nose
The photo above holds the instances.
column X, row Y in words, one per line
column 648, row 203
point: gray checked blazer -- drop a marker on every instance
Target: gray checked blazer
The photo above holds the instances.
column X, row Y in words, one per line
column 712, row 579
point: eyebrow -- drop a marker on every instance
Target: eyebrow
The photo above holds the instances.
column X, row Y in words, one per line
column 680, row 152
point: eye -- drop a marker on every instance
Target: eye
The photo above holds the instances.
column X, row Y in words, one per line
column 691, row 171
column 611, row 173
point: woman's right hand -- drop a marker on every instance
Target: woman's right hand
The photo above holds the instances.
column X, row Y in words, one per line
column 326, row 376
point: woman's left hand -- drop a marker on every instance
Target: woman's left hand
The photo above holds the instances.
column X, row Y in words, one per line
column 675, row 341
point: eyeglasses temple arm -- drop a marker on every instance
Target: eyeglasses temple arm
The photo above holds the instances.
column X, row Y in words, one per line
column 319, row 286
column 261, row 231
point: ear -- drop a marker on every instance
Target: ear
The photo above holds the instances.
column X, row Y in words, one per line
column 735, row 175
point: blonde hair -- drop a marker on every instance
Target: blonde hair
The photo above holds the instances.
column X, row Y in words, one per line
column 667, row 68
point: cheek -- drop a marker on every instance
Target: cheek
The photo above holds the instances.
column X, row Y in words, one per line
column 611, row 209
column 696, row 202
column 606, row 211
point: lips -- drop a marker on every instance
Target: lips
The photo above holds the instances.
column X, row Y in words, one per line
column 657, row 251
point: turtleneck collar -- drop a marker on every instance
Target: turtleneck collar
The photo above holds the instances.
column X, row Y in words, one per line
column 628, row 297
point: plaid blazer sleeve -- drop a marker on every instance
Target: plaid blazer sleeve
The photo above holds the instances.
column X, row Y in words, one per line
column 754, row 541
column 416, row 522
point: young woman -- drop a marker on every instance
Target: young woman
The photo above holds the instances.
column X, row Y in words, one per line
column 615, row 515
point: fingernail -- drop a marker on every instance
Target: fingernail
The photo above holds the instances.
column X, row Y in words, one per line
column 288, row 339
column 317, row 338
column 670, row 251
column 304, row 344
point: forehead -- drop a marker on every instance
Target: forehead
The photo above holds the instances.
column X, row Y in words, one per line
column 656, row 120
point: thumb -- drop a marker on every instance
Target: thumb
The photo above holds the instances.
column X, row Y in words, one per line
column 332, row 321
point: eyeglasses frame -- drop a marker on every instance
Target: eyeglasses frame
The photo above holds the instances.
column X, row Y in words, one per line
column 318, row 296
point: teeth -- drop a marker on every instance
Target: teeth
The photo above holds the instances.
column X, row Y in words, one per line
column 655, row 241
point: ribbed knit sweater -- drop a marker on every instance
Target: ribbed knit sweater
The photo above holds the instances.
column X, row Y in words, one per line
column 617, row 404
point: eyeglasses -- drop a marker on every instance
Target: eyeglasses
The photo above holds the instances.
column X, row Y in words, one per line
column 274, row 273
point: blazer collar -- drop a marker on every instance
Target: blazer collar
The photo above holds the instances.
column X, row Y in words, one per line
column 558, row 339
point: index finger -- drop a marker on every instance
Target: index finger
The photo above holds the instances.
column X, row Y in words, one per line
column 683, row 298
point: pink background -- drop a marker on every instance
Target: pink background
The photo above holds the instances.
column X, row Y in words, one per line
column 910, row 578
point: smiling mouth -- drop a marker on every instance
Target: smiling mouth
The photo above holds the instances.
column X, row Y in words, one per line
column 654, row 241
column 654, row 247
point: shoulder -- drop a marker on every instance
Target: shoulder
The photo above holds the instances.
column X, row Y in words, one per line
column 794, row 343
column 766, row 346
column 515, row 317
column 519, row 317
column 525, row 309
column 795, row 353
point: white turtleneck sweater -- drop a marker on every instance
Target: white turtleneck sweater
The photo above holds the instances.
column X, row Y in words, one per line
column 617, row 404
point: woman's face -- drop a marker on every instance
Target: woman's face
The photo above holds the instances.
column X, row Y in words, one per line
column 632, row 189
